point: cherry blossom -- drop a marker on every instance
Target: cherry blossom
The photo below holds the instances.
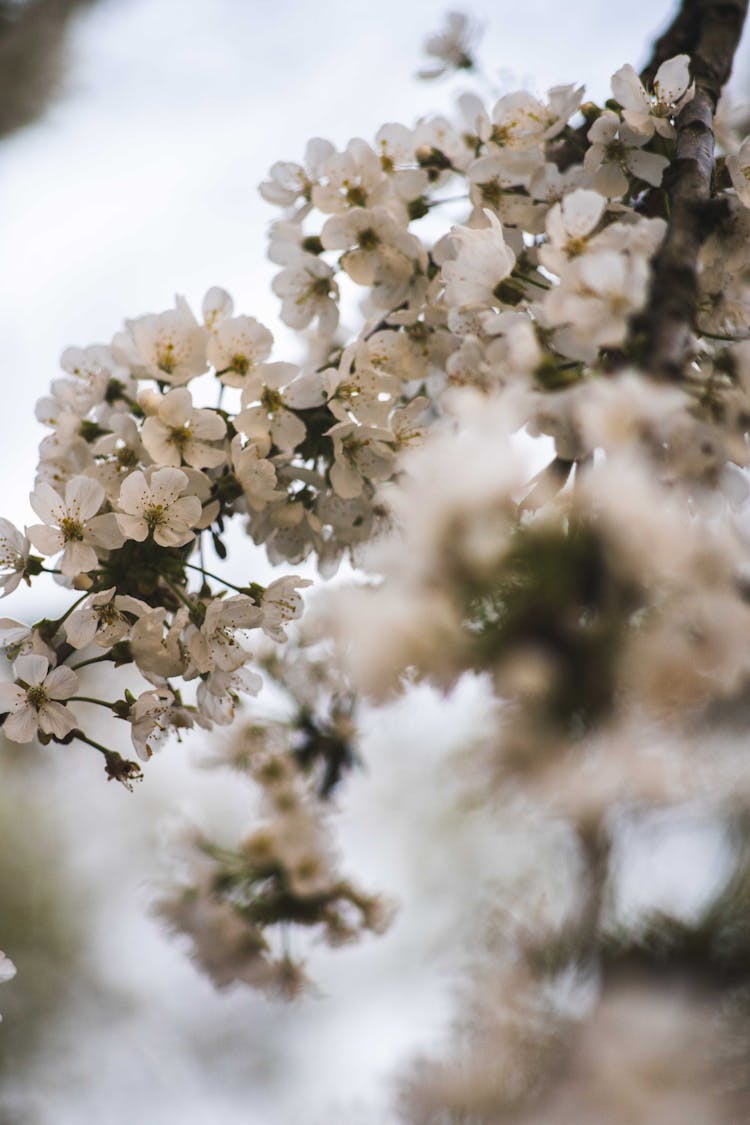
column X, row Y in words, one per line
column 648, row 113
column 32, row 702
column 156, row 506
column 72, row 526
column 14, row 555
column 175, row 432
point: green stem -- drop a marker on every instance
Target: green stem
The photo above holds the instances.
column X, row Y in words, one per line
column 91, row 660
column 215, row 577
column 448, row 199
column 531, row 280
column 90, row 741
column 178, row 592
column 58, row 621
column 89, row 699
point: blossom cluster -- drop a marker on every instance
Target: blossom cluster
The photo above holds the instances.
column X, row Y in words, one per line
column 492, row 262
column 240, row 904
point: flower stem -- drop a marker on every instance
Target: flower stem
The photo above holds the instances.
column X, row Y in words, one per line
column 531, row 280
column 178, row 592
column 90, row 699
column 215, row 577
column 91, row 660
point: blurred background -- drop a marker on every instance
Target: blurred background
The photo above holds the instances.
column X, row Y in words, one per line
column 135, row 181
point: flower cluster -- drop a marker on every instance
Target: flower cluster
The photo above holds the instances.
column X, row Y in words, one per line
column 241, row 904
column 499, row 257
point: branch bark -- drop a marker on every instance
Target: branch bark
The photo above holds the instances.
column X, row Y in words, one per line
column 709, row 31
column 679, row 39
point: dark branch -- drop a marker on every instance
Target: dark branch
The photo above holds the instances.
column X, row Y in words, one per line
column 680, row 38
column 660, row 336
column 33, row 39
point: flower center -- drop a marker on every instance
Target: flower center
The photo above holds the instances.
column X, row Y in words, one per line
column 166, row 360
column 240, row 364
column 154, row 515
column 36, row 695
column 72, row 529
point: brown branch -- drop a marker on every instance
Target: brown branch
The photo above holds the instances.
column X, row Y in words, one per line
column 660, row 336
column 33, row 41
column 680, row 38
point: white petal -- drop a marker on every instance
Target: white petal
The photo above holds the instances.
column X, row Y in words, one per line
column 54, row 718
column 21, row 725
column 46, row 539
column 628, row 90
column 61, row 682
column 133, row 495
column 582, row 210
column 85, row 496
column 648, row 166
column 78, row 558
column 32, row 669
column 672, row 79
column 11, row 695
column 47, row 504
column 132, row 527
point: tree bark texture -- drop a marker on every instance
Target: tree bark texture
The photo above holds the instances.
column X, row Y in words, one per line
column 709, row 31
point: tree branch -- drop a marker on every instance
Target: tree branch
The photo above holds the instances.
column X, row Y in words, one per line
column 660, row 336
column 679, row 39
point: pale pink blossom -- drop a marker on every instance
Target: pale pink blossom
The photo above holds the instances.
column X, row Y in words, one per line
column 177, row 432
column 32, row 702
column 72, row 526
column 156, row 506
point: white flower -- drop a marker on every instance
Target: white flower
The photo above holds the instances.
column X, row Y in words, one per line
column 236, row 347
column 521, row 122
column 218, row 694
column 291, row 183
column 646, row 112
column 569, row 225
column 452, row 46
column 17, row 639
column 267, row 408
column 217, row 305
column 157, row 654
column 359, row 453
column 178, row 432
column 156, row 506
column 168, row 346
column 72, row 525
column 308, row 290
column 32, row 700
column 483, row 261
column 14, row 555
column 281, row 604
column 616, row 149
column 101, row 619
column 255, row 473
column 354, row 178
column 216, row 645
column 153, row 717
column 598, row 294
column 378, row 252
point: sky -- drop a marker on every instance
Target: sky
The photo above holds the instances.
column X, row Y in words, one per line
column 141, row 182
